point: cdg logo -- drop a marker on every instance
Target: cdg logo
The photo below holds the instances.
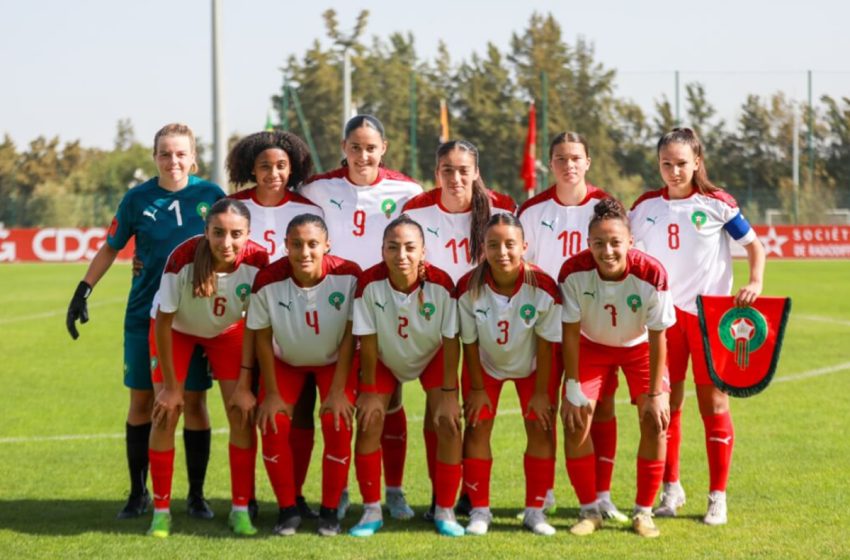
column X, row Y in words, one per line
column 67, row 244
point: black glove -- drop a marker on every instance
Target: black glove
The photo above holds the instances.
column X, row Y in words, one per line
column 78, row 309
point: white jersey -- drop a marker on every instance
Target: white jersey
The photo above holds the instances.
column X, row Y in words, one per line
column 504, row 327
column 207, row 317
column 409, row 327
column 616, row 313
column 307, row 323
column 690, row 236
column 268, row 223
column 356, row 215
column 447, row 243
column 554, row 231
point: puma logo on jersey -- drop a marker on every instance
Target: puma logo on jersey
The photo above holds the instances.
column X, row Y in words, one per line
column 340, row 460
column 652, row 220
column 591, row 294
column 286, row 305
column 483, row 312
column 338, row 204
column 550, row 225
column 149, row 214
column 724, row 440
column 272, row 459
column 436, row 232
column 380, row 305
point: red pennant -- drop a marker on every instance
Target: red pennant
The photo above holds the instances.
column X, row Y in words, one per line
column 742, row 344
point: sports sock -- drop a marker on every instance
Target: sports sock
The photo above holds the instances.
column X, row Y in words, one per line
column 582, row 473
column 674, row 442
column 368, row 469
column 719, row 441
column 277, row 457
column 301, row 442
column 162, row 471
column 394, row 446
column 197, row 444
column 136, row 439
column 446, row 483
column 539, row 477
column 476, row 481
column 604, row 437
column 241, row 465
column 649, row 473
column 336, row 461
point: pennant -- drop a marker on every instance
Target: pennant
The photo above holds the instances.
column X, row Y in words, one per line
column 444, row 122
column 528, row 172
column 742, row 344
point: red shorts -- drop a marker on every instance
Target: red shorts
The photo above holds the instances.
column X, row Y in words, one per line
column 224, row 352
column 609, row 384
column 524, row 389
column 598, row 363
column 290, row 380
column 684, row 339
column 430, row 378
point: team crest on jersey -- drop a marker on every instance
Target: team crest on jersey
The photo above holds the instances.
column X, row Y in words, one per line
column 242, row 291
column 202, row 208
column 699, row 219
column 634, row 302
column 388, row 206
column 527, row 312
column 742, row 330
column 336, row 299
column 427, row 310
column 154, row 363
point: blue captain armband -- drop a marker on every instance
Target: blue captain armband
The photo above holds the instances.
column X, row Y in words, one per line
column 737, row 227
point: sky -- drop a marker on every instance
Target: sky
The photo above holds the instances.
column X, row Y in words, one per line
column 73, row 68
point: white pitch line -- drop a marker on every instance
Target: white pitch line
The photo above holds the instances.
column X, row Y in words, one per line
column 506, row 412
column 57, row 313
column 822, row 319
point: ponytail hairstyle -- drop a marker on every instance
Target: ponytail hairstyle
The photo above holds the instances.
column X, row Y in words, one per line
column 569, row 137
column 608, row 209
column 307, row 219
column 480, row 200
column 405, row 220
column 359, row 121
column 479, row 273
column 204, row 279
column 243, row 155
column 177, row 129
column 688, row 137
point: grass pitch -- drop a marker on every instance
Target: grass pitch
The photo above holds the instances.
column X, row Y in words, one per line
column 63, row 474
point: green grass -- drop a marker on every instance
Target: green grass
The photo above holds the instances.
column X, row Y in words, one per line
column 788, row 495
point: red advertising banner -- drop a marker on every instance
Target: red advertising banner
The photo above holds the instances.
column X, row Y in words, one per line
column 55, row 245
column 802, row 242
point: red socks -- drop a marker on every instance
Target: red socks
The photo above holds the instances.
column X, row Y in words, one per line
column 277, row 455
column 539, row 478
column 604, row 437
column 446, row 482
column 674, row 442
column 162, row 471
column 649, row 473
column 394, row 446
column 336, row 460
column 476, row 481
column 368, row 469
column 582, row 473
column 719, row 440
column 301, row 443
column 241, row 474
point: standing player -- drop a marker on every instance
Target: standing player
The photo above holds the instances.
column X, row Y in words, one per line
column 301, row 315
column 359, row 200
column 555, row 223
column 161, row 213
column 510, row 314
column 202, row 297
column 406, row 316
column 276, row 162
column 688, row 225
column 616, row 307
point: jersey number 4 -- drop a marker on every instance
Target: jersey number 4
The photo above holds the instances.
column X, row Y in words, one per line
column 312, row 318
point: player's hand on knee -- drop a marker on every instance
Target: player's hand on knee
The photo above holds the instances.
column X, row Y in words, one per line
column 271, row 406
column 244, row 402
column 540, row 406
column 78, row 309
column 370, row 409
column 338, row 405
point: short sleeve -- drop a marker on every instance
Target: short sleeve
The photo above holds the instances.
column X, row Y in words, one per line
column 466, row 317
column 570, row 306
column 364, row 318
column 548, row 325
column 449, row 326
column 121, row 228
column 660, row 314
column 258, row 311
column 170, row 288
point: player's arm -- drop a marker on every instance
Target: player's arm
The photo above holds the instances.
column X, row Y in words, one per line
column 657, row 404
column 477, row 398
column 539, row 402
column 272, row 404
column 337, row 402
column 448, row 406
column 169, row 401
column 576, row 408
column 243, row 399
column 78, row 309
column 755, row 259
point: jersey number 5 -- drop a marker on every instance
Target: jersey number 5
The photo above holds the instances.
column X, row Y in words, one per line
column 268, row 235
column 402, row 324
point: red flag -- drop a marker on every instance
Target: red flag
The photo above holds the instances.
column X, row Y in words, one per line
column 742, row 344
column 444, row 122
column 529, row 161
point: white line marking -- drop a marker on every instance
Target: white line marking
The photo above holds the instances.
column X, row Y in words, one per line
column 822, row 319
column 506, row 412
column 58, row 313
